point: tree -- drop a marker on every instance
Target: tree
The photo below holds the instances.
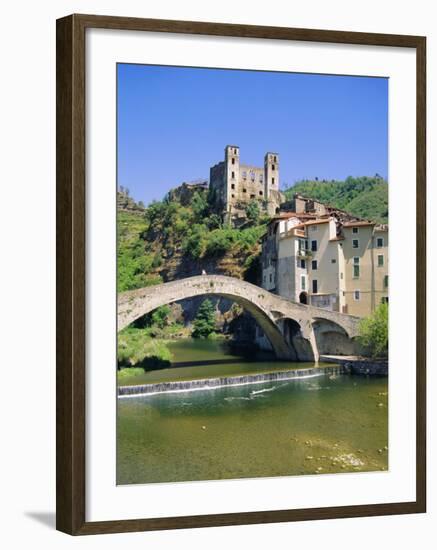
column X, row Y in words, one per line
column 253, row 212
column 204, row 323
column 160, row 316
column 373, row 332
column 214, row 222
column 199, row 204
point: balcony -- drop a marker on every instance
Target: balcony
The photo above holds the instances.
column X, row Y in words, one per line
column 304, row 253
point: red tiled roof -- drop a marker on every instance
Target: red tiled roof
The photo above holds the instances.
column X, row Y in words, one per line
column 314, row 222
column 358, row 223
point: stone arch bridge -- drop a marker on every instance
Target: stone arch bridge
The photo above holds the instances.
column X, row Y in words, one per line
column 295, row 331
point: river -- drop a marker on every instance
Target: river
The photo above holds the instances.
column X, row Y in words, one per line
column 316, row 425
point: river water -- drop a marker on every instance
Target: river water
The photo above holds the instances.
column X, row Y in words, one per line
column 317, row 425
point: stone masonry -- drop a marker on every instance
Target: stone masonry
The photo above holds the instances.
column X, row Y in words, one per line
column 269, row 310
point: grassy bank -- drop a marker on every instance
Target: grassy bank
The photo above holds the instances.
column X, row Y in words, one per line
column 139, row 349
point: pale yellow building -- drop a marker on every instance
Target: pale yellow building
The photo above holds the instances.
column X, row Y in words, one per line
column 365, row 260
column 319, row 260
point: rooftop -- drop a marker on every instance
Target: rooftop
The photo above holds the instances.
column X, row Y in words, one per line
column 358, row 223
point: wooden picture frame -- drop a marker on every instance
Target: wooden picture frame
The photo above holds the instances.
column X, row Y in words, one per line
column 71, row 254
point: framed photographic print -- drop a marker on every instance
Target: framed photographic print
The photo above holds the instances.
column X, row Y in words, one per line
column 240, row 274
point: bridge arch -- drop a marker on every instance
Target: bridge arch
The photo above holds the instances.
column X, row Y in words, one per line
column 331, row 338
column 135, row 304
column 300, row 345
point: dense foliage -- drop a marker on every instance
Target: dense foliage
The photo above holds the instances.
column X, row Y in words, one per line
column 135, row 268
column 136, row 348
column 168, row 234
column 204, row 323
column 374, row 332
column 365, row 197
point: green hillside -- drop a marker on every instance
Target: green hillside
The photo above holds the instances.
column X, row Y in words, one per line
column 365, row 197
column 168, row 241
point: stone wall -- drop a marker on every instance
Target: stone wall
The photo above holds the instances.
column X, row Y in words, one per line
column 362, row 366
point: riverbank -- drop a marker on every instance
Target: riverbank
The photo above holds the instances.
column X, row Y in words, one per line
column 363, row 366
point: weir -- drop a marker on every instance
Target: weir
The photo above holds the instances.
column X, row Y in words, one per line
column 211, row 383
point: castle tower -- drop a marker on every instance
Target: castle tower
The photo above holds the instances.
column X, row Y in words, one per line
column 232, row 175
column 271, row 179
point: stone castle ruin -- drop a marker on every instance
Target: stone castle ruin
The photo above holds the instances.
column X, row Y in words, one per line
column 233, row 186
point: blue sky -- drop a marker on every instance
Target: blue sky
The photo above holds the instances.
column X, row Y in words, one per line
column 174, row 122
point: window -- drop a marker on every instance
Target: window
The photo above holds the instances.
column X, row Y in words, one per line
column 314, row 264
column 233, row 196
column 341, row 275
column 333, row 261
column 380, row 260
column 233, row 161
column 355, row 230
column 315, row 286
column 273, row 181
column 244, row 190
column 356, row 268
column 302, row 282
column 303, row 264
column 252, row 196
column 303, row 244
column 232, row 185
column 271, row 277
column 235, row 151
column 314, row 228
column 273, row 166
column 386, row 281
column 357, row 295
column 314, row 246
column 233, row 175
column 380, row 242
column 384, row 300
column 261, row 193
column 355, row 243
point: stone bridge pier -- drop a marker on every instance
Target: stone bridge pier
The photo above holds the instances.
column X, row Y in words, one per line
column 294, row 331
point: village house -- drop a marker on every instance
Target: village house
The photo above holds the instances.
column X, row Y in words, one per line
column 327, row 258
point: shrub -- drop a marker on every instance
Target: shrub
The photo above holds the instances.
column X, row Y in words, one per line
column 374, row 332
column 137, row 349
column 160, row 316
column 253, row 212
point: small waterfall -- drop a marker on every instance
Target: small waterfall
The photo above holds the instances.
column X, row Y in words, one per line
column 211, row 383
